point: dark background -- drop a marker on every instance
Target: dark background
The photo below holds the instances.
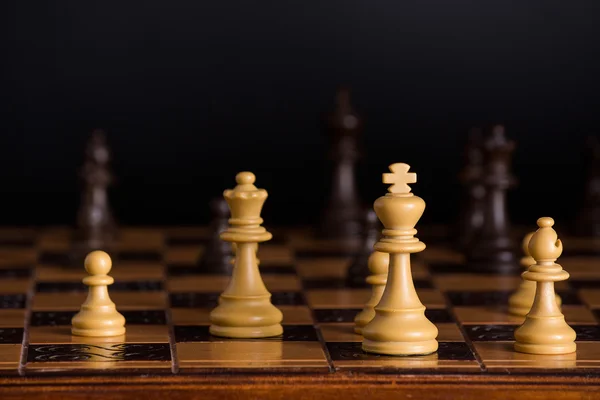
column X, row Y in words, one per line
column 191, row 92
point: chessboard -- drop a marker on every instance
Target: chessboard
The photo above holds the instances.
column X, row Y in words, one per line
column 166, row 300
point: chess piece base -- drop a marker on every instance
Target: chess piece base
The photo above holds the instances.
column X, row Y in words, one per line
column 545, row 348
column 398, row 333
column 368, row 313
column 119, row 331
column 400, row 348
column 246, row 317
column 363, row 318
column 93, row 324
column 243, row 332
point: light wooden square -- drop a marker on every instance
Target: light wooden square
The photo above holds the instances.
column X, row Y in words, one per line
column 269, row 254
column 10, row 357
column 55, row 239
column 12, row 318
column 323, row 267
column 251, row 354
column 187, row 255
column 14, row 285
column 11, row 257
column 502, row 356
column 121, row 271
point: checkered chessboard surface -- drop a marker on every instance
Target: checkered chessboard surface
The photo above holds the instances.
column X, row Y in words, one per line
column 166, row 301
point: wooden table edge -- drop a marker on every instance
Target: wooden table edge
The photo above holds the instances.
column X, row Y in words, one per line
column 314, row 386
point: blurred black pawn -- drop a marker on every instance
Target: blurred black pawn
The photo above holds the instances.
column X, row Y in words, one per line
column 359, row 269
column 218, row 254
column 95, row 227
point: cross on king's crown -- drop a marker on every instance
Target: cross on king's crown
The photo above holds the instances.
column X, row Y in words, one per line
column 399, row 178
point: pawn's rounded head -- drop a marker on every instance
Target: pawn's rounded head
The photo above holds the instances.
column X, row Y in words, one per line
column 98, row 263
column 545, row 222
column 525, row 243
column 379, row 263
column 245, row 178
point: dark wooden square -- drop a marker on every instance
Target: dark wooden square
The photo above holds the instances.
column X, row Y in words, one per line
column 587, row 333
column 63, row 318
column 22, row 272
column 11, row 335
column 12, row 300
column 186, row 241
column 584, row 283
column 277, row 270
column 54, row 258
column 194, row 300
column 336, row 315
column 490, row 333
column 186, row 270
column 589, row 252
column 439, row 315
column 99, row 353
column 327, row 283
column 287, row 299
column 210, row 300
column 17, row 242
column 341, row 351
column 150, row 256
column 325, row 253
column 445, row 267
column 505, row 333
column 498, row 298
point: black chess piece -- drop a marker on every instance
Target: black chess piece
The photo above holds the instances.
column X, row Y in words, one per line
column 342, row 216
column 218, row 256
column 471, row 214
column 588, row 220
column 95, row 227
column 494, row 249
column 358, row 270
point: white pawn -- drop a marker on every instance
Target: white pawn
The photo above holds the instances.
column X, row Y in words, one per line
column 521, row 300
column 378, row 265
column 98, row 316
